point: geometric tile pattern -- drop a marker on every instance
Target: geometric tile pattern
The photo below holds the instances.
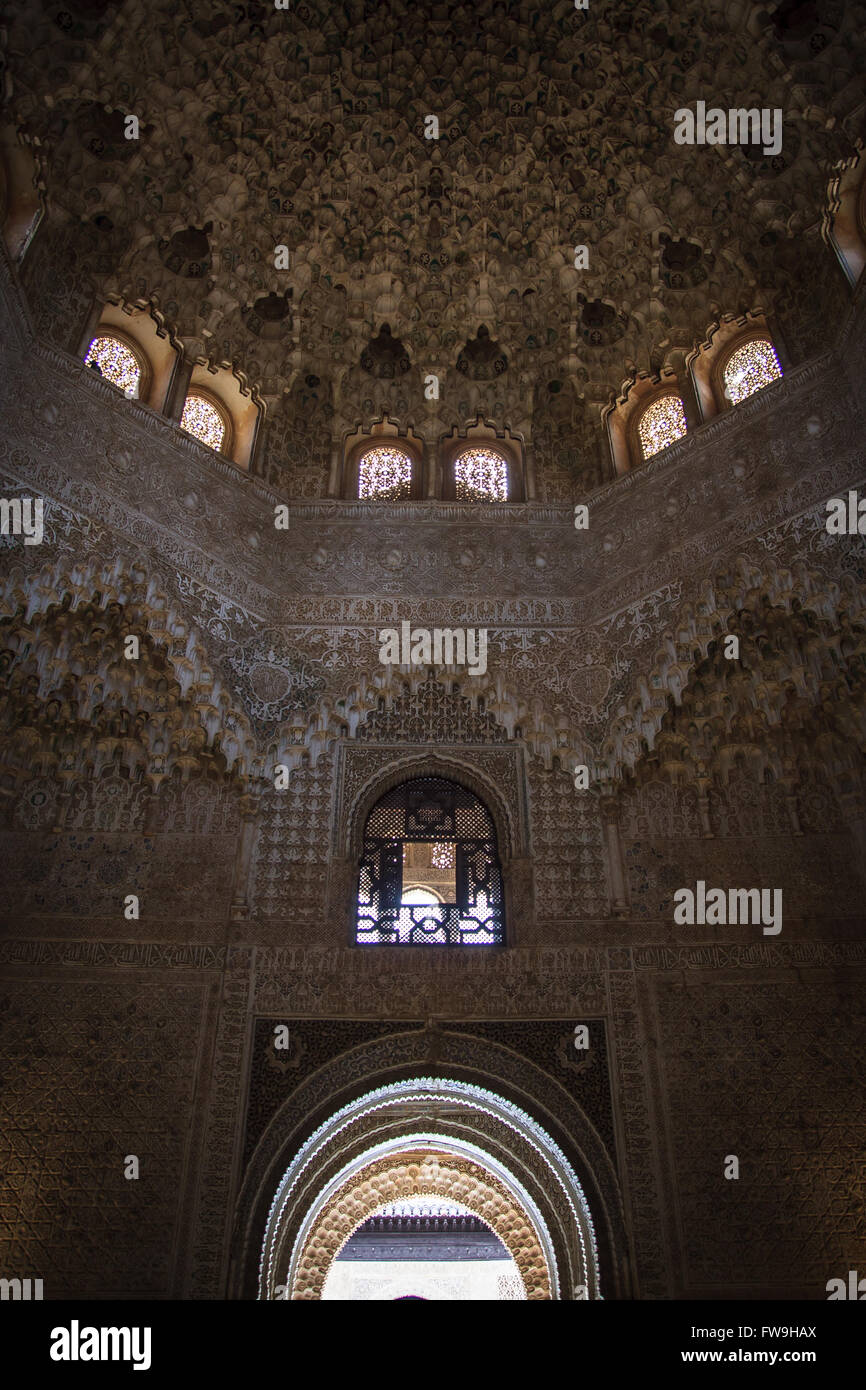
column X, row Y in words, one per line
column 93, row 1072
column 771, row 1073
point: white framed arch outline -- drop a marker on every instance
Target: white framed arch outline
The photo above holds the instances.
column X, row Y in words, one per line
column 279, row 1264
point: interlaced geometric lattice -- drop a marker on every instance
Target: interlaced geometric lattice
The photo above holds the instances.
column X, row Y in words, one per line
column 661, row 423
column 385, row 473
column 116, row 362
column 751, row 367
column 204, row 421
column 443, row 855
column 430, row 809
column 481, row 476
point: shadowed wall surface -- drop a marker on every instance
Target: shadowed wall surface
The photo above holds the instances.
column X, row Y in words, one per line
column 153, row 1034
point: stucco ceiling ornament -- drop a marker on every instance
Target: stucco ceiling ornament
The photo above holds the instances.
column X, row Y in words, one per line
column 273, row 680
column 242, row 149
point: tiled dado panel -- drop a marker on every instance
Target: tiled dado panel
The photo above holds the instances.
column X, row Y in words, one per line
column 98, row 1065
column 766, row 1066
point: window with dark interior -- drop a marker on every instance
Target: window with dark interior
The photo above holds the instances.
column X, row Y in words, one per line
column 430, row 872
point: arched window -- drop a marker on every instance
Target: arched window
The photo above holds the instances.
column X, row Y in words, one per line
column 481, row 475
column 663, row 421
column 385, row 473
column 430, row 873
column 749, row 368
column 202, row 419
column 116, row 362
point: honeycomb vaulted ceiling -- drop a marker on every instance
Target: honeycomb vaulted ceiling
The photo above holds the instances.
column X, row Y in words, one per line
column 305, row 128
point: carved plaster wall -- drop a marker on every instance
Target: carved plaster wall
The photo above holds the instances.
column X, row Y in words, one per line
column 260, row 647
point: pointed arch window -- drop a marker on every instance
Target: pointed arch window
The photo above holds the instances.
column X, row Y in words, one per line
column 430, row 872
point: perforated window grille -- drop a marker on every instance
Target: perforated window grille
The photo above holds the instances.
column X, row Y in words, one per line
column 116, row 362
column 480, row 475
column 385, row 473
column 661, row 423
column 204, row 421
column 465, row 897
column 751, row 367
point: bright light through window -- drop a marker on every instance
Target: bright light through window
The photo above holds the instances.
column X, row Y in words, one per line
column 419, row 896
column 203, row 420
column 661, row 423
column 750, row 368
column 385, row 473
column 116, row 362
column 481, row 476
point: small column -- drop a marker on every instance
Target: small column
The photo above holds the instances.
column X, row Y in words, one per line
column 431, row 480
column 88, row 333
column 853, row 811
column 529, row 472
column 177, row 392
column 609, row 807
column 690, row 399
column 256, row 451
column 334, row 489
column 704, row 784
column 789, row 784
column 64, row 804
column 240, row 907
column 8, row 801
column 152, row 818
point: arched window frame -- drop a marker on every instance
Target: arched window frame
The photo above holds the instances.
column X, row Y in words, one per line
column 635, row 442
column 399, row 446
column 358, row 453
column 227, row 441
column 145, row 372
column 22, row 196
column 142, row 329
column 860, row 205
column 844, row 222
column 384, row 878
column 707, row 362
column 453, row 449
column 622, row 418
column 720, row 367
